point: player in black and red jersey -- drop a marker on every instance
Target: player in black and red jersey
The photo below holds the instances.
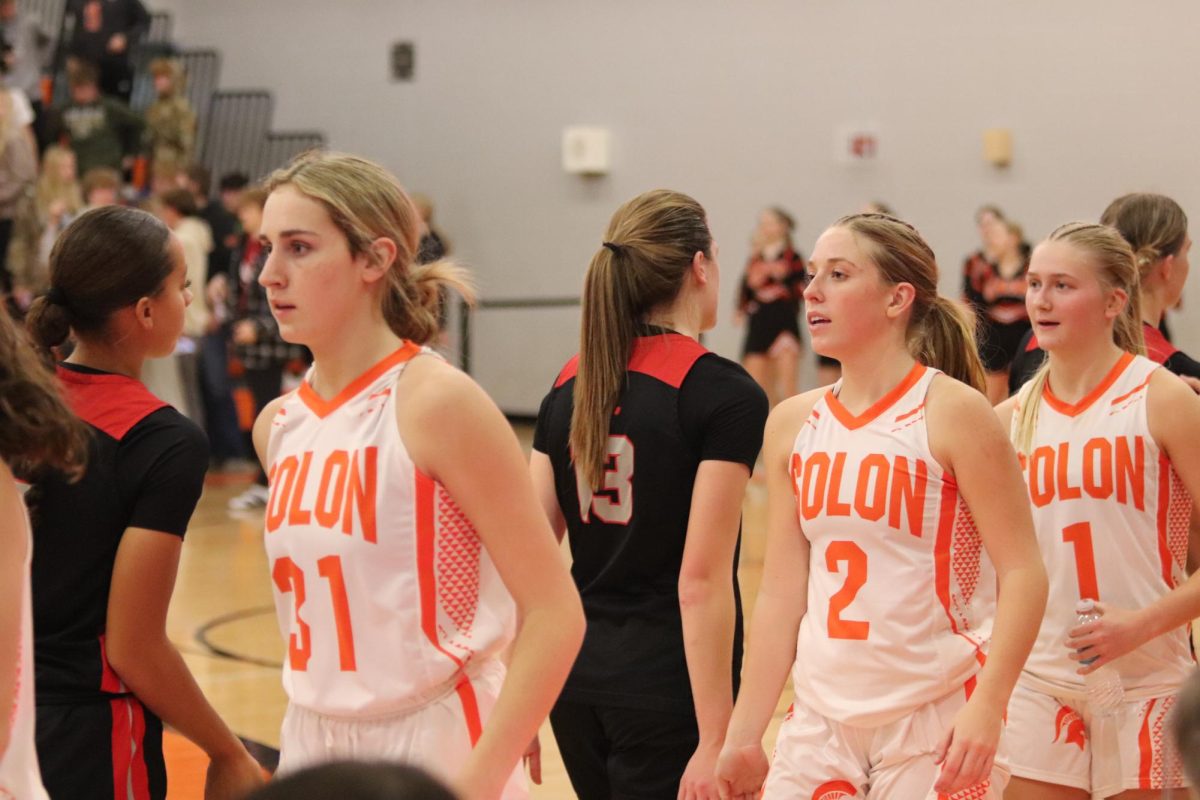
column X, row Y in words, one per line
column 642, row 453
column 107, row 547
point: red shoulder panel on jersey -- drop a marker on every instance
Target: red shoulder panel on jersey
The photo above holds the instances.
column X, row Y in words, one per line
column 568, row 372
column 1158, row 349
column 666, row 357
column 112, row 403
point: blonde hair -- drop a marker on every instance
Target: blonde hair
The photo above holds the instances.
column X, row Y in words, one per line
column 51, row 186
column 1115, row 268
column 1153, row 224
column 646, row 254
column 7, row 124
column 366, row 203
column 939, row 333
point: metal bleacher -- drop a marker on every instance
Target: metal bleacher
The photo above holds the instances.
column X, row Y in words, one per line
column 234, row 132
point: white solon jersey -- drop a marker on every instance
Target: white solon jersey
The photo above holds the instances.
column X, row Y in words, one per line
column 901, row 596
column 19, row 773
column 1112, row 523
column 382, row 587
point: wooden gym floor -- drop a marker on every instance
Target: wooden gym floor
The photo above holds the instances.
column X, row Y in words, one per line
column 223, row 621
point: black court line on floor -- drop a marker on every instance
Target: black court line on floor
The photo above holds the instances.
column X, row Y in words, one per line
column 264, row 754
column 202, row 633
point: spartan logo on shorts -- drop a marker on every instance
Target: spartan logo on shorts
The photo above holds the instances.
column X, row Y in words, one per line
column 1068, row 722
column 835, row 790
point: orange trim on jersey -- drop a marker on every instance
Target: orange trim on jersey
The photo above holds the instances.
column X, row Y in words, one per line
column 1075, row 409
column 323, row 408
column 941, row 561
column 1146, row 750
column 853, row 422
column 941, row 550
column 1164, row 502
column 1134, row 390
column 470, row 706
column 908, row 414
column 426, row 577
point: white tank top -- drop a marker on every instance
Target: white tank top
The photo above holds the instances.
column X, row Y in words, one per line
column 1112, row 523
column 900, row 593
column 383, row 590
column 19, row 773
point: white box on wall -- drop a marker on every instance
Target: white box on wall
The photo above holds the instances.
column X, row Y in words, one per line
column 586, row 150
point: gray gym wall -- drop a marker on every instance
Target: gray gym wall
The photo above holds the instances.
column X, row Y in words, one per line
column 736, row 103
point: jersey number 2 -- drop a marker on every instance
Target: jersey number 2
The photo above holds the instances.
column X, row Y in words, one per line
column 290, row 578
column 856, row 575
column 615, row 506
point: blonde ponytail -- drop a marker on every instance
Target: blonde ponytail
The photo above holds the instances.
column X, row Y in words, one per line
column 939, row 333
column 945, row 338
column 1116, row 268
column 366, row 203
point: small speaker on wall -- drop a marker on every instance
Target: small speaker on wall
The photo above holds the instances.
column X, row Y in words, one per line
column 404, row 57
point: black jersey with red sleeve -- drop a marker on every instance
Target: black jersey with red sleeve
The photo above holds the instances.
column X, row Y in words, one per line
column 1158, row 348
column 145, row 469
column 681, row 405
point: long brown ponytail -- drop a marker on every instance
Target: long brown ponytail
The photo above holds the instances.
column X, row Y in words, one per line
column 36, row 427
column 647, row 251
column 939, row 333
column 1153, row 224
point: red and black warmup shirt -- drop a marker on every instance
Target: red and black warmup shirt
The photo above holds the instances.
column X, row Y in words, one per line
column 681, row 405
column 145, row 469
column 1158, row 348
column 1000, row 300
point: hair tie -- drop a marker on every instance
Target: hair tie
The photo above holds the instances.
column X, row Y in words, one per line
column 55, row 296
column 615, row 248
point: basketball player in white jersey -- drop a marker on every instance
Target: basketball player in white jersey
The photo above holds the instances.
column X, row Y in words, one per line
column 37, row 431
column 1108, row 442
column 405, row 541
column 891, row 495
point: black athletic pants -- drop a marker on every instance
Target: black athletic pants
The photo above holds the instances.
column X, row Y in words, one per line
column 623, row 753
column 105, row 750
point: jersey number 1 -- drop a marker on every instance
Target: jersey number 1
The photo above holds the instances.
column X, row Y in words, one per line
column 1079, row 536
column 290, row 578
column 615, row 506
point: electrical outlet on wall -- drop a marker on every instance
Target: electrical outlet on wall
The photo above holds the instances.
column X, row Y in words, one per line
column 404, row 58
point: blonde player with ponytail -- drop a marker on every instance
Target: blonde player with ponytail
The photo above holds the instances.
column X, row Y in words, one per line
column 902, row 584
column 1108, row 442
column 407, row 548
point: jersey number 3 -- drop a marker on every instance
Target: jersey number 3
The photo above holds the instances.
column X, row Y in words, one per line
column 614, row 503
column 288, row 577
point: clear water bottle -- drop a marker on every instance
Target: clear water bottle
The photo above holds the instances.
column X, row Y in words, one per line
column 1104, row 691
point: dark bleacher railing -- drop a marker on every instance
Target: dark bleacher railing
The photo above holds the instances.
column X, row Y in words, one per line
column 466, row 315
column 160, row 27
column 235, row 131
